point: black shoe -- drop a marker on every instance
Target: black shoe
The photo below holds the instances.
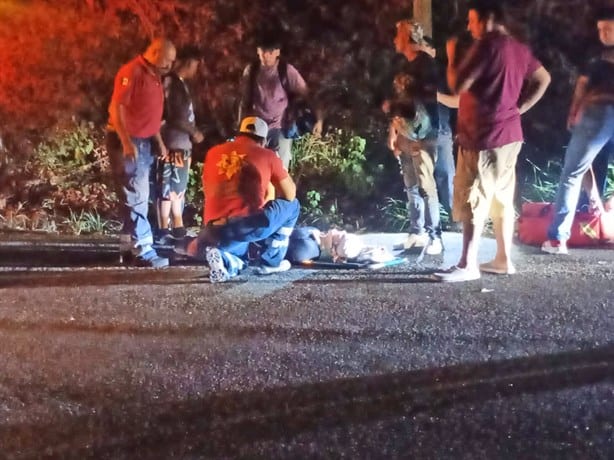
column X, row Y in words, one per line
column 179, row 233
column 151, row 259
column 162, row 237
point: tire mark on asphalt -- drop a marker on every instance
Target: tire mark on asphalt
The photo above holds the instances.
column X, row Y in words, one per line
column 221, row 424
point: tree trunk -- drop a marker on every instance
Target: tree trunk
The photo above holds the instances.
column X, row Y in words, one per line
column 423, row 13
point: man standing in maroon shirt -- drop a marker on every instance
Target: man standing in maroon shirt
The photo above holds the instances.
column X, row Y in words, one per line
column 490, row 81
column 135, row 117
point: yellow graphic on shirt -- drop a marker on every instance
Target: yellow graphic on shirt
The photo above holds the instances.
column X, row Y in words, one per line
column 230, row 164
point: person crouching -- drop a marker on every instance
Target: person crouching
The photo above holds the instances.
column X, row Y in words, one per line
column 236, row 175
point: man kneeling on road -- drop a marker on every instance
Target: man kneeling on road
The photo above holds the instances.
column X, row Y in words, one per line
column 235, row 180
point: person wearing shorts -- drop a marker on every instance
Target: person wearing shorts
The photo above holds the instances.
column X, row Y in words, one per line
column 498, row 81
column 178, row 132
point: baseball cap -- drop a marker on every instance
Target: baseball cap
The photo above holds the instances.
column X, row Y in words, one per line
column 255, row 126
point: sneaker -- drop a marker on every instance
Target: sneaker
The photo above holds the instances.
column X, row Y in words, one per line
column 217, row 270
column 457, row 275
column 179, row 233
column 162, row 237
column 435, row 247
column 414, row 240
column 151, row 259
column 497, row 269
column 555, row 247
column 267, row 269
column 186, row 247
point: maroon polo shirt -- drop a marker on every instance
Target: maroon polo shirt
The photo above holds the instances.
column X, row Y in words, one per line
column 141, row 93
column 488, row 114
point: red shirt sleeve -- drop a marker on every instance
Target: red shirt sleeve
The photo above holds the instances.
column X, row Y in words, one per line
column 124, row 84
column 278, row 172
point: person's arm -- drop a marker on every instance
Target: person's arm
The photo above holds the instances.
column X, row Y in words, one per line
column 449, row 100
column 285, row 188
column 537, row 85
column 462, row 77
column 162, row 150
column 575, row 110
column 281, row 180
column 117, row 115
column 452, row 64
column 299, row 87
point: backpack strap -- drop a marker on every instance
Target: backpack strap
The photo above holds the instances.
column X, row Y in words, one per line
column 282, row 70
column 250, row 88
column 254, row 67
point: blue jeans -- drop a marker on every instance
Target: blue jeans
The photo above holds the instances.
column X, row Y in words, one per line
column 272, row 227
column 600, row 169
column 444, row 171
column 590, row 135
column 132, row 183
column 280, row 145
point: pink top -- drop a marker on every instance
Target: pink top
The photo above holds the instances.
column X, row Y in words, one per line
column 270, row 99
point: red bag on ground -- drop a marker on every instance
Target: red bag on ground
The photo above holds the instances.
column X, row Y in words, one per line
column 535, row 218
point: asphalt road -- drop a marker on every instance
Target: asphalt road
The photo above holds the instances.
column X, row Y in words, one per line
column 99, row 361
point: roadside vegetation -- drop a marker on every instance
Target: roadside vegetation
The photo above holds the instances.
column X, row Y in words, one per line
column 54, row 171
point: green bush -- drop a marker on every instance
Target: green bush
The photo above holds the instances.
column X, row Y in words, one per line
column 331, row 176
column 194, row 197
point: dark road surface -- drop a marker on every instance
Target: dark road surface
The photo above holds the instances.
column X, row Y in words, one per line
column 103, row 361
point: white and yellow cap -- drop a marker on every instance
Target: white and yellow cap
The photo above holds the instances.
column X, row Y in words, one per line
column 255, row 126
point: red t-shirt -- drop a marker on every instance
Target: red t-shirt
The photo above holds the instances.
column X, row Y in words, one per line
column 235, row 178
column 141, row 93
column 488, row 114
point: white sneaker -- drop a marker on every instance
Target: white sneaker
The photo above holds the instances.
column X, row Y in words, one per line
column 217, row 270
column 435, row 247
column 555, row 247
column 284, row 266
column 456, row 275
column 414, row 240
column 498, row 269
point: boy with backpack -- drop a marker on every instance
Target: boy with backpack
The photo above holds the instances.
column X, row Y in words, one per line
column 270, row 87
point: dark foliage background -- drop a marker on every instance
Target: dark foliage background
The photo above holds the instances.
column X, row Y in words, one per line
column 58, row 59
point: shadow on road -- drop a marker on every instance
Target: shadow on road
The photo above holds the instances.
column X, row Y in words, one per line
column 221, row 424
